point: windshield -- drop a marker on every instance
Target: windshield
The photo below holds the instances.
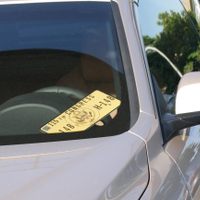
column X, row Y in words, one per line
column 61, row 72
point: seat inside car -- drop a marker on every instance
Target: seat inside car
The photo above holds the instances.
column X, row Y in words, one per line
column 92, row 74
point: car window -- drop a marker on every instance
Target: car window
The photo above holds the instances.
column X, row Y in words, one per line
column 61, row 72
column 170, row 34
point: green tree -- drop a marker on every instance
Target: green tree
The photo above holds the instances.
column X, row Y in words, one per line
column 180, row 42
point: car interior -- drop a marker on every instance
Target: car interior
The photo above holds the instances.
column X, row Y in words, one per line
column 37, row 85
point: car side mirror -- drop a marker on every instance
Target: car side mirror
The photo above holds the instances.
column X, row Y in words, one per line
column 187, row 106
column 188, row 93
column 171, row 123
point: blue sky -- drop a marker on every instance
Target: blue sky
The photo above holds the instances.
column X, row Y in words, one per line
column 149, row 10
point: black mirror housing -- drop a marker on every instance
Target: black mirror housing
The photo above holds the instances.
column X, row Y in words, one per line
column 171, row 123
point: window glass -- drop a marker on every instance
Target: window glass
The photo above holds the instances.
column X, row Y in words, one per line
column 170, row 33
column 52, row 55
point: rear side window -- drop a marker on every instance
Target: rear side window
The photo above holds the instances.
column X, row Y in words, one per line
column 61, row 73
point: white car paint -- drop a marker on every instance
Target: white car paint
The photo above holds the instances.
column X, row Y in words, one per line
column 82, row 169
column 187, row 91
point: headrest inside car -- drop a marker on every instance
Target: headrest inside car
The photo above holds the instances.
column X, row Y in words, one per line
column 95, row 70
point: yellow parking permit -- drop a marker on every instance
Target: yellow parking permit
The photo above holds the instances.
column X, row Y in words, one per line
column 83, row 114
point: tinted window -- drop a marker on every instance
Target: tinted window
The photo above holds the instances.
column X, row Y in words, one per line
column 68, row 26
column 52, row 55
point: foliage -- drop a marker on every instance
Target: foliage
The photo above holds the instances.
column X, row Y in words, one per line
column 180, row 42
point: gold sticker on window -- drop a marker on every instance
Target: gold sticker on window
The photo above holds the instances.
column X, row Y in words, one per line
column 83, row 114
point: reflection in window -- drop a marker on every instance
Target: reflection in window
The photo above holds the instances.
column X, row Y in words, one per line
column 166, row 26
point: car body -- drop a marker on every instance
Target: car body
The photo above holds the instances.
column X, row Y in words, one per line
column 132, row 157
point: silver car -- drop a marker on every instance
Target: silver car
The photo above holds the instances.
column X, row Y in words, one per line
column 99, row 100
